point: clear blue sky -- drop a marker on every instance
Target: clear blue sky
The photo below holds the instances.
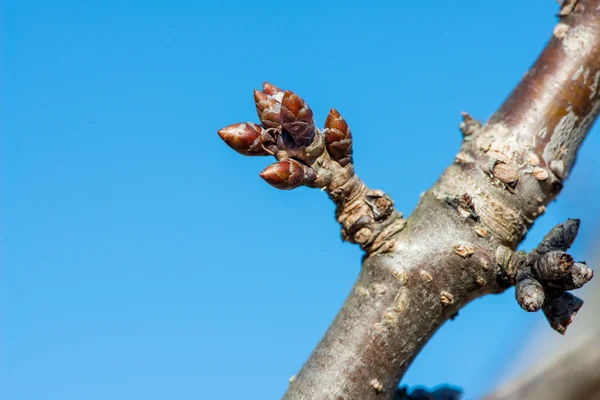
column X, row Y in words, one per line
column 143, row 259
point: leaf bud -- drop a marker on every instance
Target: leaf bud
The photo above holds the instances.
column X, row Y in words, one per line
column 297, row 118
column 338, row 138
column 288, row 174
column 561, row 310
column 268, row 109
column 552, row 265
column 245, row 138
column 273, row 91
column 530, row 294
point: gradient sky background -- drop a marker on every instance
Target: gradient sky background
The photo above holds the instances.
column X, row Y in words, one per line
column 143, row 259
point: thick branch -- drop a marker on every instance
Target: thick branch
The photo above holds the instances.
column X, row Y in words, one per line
column 445, row 257
column 418, row 273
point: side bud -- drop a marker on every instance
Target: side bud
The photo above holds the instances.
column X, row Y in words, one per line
column 561, row 237
column 552, row 265
column 245, row 138
column 268, row 109
column 469, row 125
column 530, row 294
column 288, row 174
column 561, row 310
column 579, row 275
column 338, row 138
column 273, row 91
column 297, row 118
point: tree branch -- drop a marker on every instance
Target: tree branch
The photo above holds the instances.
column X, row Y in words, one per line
column 459, row 243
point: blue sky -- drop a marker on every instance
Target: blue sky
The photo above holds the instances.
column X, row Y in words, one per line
column 141, row 258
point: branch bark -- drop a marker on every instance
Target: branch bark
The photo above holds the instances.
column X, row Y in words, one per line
column 459, row 243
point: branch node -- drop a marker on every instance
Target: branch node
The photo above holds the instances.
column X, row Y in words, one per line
column 543, row 277
column 307, row 157
column 469, row 125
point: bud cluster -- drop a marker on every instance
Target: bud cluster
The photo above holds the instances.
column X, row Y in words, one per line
column 548, row 272
column 287, row 130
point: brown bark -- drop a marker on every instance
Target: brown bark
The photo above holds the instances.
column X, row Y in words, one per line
column 459, row 243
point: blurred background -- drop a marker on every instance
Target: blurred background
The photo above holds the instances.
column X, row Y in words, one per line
column 142, row 258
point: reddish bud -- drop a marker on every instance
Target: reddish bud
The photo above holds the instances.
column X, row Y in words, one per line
column 273, row 91
column 297, row 118
column 245, row 138
column 338, row 138
column 288, row 174
column 268, row 109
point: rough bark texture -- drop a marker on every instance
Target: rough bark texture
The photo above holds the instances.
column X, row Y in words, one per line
column 459, row 243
